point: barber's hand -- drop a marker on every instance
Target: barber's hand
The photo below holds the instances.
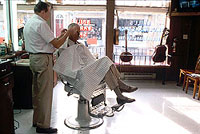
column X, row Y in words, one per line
column 63, row 32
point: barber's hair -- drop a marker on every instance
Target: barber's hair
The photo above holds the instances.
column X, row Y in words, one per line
column 40, row 6
column 72, row 25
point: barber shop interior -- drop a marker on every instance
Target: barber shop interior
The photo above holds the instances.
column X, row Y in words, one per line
column 100, row 66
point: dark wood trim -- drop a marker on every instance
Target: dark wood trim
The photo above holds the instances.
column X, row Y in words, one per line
column 110, row 28
column 185, row 14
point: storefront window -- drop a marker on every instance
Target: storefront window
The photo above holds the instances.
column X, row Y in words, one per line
column 144, row 24
column 145, row 27
column 143, row 3
column 22, row 18
column 144, row 34
column 2, row 26
column 92, row 23
column 79, row 2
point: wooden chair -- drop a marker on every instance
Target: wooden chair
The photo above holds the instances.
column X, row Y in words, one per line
column 194, row 77
column 185, row 72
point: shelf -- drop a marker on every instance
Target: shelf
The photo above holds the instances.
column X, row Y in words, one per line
column 185, row 14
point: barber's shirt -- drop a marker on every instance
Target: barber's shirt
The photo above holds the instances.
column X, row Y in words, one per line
column 37, row 35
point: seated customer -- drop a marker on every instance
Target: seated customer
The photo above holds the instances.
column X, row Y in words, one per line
column 77, row 65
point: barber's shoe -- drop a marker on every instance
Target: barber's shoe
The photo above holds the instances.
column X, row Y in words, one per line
column 122, row 100
column 129, row 89
column 46, row 130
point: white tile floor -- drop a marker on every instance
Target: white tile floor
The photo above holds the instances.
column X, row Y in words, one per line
column 159, row 109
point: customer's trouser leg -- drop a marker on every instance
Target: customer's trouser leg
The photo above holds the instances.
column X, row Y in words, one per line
column 41, row 66
column 115, row 71
column 112, row 77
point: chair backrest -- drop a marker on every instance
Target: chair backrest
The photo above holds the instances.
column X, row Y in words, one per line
column 197, row 68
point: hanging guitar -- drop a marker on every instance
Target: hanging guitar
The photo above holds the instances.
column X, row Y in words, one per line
column 126, row 56
column 159, row 54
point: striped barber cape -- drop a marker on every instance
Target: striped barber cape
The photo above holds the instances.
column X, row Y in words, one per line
column 77, row 66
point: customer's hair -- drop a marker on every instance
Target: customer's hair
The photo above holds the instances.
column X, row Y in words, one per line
column 72, row 25
column 40, row 6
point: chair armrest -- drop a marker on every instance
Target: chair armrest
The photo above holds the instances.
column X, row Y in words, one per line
column 69, row 88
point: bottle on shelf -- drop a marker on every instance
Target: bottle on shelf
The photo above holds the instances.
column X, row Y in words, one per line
column 10, row 47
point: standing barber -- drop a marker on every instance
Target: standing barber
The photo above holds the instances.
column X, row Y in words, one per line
column 41, row 43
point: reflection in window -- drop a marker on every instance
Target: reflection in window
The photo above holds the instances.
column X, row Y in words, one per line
column 143, row 3
column 22, row 17
column 79, row 2
column 145, row 29
column 2, row 26
column 144, row 24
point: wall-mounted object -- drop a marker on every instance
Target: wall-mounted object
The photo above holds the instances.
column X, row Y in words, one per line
column 188, row 6
column 126, row 56
column 116, row 36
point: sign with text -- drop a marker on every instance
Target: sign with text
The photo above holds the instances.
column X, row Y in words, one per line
column 90, row 28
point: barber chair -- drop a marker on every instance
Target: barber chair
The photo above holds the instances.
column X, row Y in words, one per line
column 90, row 113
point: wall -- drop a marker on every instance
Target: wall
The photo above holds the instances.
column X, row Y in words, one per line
column 188, row 49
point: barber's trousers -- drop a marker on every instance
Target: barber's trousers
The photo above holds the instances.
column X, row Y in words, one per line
column 112, row 77
column 42, row 88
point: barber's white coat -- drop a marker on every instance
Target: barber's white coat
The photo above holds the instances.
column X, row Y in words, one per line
column 81, row 69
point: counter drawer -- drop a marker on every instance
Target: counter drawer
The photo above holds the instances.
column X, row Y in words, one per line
column 5, row 68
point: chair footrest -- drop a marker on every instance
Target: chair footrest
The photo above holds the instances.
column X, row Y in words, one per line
column 102, row 111
column 118, row 107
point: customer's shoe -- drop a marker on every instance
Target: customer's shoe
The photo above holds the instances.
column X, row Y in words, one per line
column 46, row 130
column 129, row 89
column 125, row 88
column 122, row 100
